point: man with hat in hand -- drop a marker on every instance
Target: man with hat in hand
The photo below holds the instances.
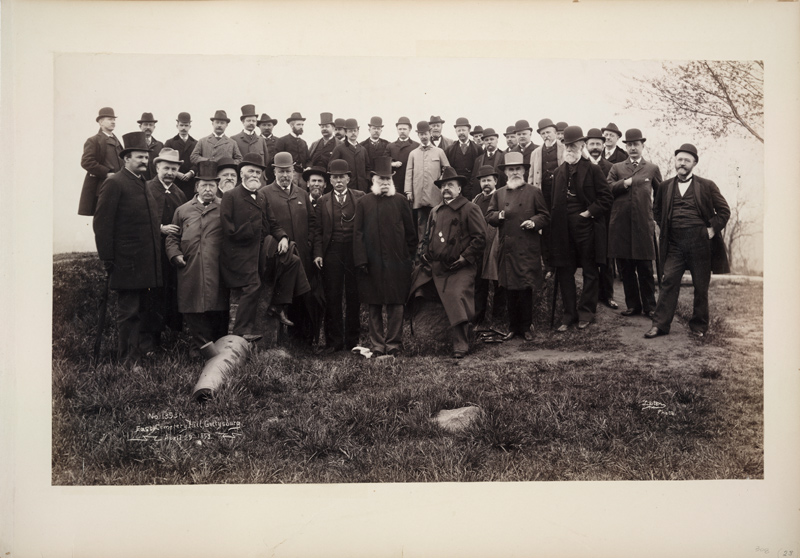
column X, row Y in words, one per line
column 228, row 175
column 194, row 247
column 437, row 139
column 581, row 198
column 691, row 213
column 491, row 156
column 184, row 144
column 216, row 145
column 425, row 165
column 321, row 150
column 383, row 256
column 333, row 255
column 631, row 226
column 248, row 140
column 463, row 154
column 265, row 125
column 101, row 159
column 612, row 152
column 292, row 143
column 356, row 156
column 400, row 150
column 450, row 253
column 374, row 144
column 524, row 143
column 518, row 211
column 127, row 233
column 147, row 124
column 487, row 272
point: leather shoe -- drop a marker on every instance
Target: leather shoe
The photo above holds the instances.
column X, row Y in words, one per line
column 562, row 328
column 698, row 333
column 611, row 304
column 510, row 335
column 281, row 315
column 630, row 312
column 583, row 324
column 654, row 332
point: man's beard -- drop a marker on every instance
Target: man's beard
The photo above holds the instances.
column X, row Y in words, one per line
column 252, row 184
column 227, row 185
column 595, row 153
column 572, row 157
column 375, row 189
column 298, row 132
column 515, row 182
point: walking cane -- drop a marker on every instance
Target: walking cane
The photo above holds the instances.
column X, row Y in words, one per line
column 659, row 266
column 555, row 296
column 101, row 318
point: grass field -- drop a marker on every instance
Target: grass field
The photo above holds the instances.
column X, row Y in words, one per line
column 601, row 404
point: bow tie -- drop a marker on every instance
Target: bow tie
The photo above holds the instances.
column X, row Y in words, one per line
column 685, row 181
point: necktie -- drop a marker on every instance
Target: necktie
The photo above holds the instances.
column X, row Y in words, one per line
column 463, row 149
column 635, row 164
column 340, row 199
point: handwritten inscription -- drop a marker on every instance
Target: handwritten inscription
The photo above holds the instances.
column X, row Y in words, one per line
column 173, row 426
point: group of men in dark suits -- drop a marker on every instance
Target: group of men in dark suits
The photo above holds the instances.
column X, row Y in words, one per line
column 273, row 209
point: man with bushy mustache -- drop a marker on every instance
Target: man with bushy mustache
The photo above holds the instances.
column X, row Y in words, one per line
column 228, row 175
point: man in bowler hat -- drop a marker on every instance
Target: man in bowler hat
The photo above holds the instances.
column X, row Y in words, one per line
column 524, row 144
column 356, row 156
column 491, row 156
column 101, row 159
column 147, row 124
column 437, row 139
column 217, row 145
column 321, row 150
column 425, row 165
column 611, row 151
column 184, row 144
column 462, row 155
column 374, row 144
column 265, row 125
column 292, row 143
column 399, row 151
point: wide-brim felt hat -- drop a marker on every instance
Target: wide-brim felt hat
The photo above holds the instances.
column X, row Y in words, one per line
column 169, row 155
column 545, row 123
column 226, row 163
column 105, row 112
column 513, row 159
column 595, row 133
column 612, row 128
column 265, row 118
column 208, row 170
column 220, row 115
column 632, row 135
column 382, row 166
column 487, row 170
column 688, row 148
column 147, row 117
column 283, row 160
column 448, row 174
column 295, row 116
column 339, row 166
column 573, row 134
column 252, row 159
column 314, row 170
column 134, row 141
column 489, row 132
column 435, row 120
column 522, row 125
column 247, row 111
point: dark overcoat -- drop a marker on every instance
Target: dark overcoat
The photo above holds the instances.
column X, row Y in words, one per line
column 463, row 163
column 491, row 252
column 379, row 149
column 495, row 161
column 713, row 209
column 592, row 190
column 453, row 230
column 619, row 155
column 246, row 222
column 199, row 241
column 293, row 215
column 212, row 148
column 631, row 227
column 358, row 160
column 97, row 162
column 294, row 145
column 184, row 148
column 127, row 227
column 384, row 239
column 253, row 143
column 399, row 151
column 520, row 261
column 155, row 149
column 323, row 223
column 319, row 154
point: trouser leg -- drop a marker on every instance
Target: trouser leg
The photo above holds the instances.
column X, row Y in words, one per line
column 246, row 308
column 630, row 284
column 129, row 307
column 422, row 219
column 647, row 284
column 674, row 266
column 525, row 315
column 481, row 298
column 290, row 279
column 699, row 264
column 513, row 299
column 394, row 327
column 333, row 274
column 460, row 336
column 352, row 320
column 201, row 327
column 606, row 287
column 376, row 336
column 498, row 300
column 582, row 231
column 569, row 296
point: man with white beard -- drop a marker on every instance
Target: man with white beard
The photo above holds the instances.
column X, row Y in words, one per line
column 581, row 197
column 228, row 175
column 519, row 212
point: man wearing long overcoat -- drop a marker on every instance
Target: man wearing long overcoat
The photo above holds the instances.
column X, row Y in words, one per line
column 217, row 145
column 519, row 212
column 101, row 158
column 577, row 229
column 399, row 150
column 248, row 140
column 491, row 156
column 462, row 155
column 384, row 241
column 127, row 234
column 425, row 165
column 356, row 155
column 631, row 226
column 184, row 144
column 292, row 142
column 450, row 252
column 487, row 272
column 319, row 154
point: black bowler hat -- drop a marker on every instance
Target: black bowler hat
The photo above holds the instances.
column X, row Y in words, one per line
column 134, row 141
column 595, row 133
column 487, row 170
column 350, row 124
column 435, row 120
column 403, row 120
column 573, row 134
column 382, row 167
column 105, row 112
column 545, row 123
column 690, row 149
column 207, row 170
column 477, row 130
column 295, row 116
column 461, row 121
column 248, row 110
column 220, row 115
column 339, row 123
column 522, row 125
column 265, row 119
column 184, row 118
column 325, row 118
column 489, row 132
column 612, row 128
column 314, row 170
column 339, row 166
column 252, row 159
column 561, row 126
column 423, row 127
column 147, row 117
column 632, row 135
column 510, row 131
column 449, row 173
column 376, row 121
column 226, row 163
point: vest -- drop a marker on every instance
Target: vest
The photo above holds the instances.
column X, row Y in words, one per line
column 684, row 209
column 343, row 216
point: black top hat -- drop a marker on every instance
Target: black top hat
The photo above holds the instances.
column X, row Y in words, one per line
column 489, row 132
column 403, row 120
column 632, row 135
column 339, row 123
column 573, row 134
column 461, row 121
column 220, row 115
column 295, row 116
column 477, row 130
column 350, row 124
column 376, row 121
column 595, row 133
column 612, row 128
column 545, row 123
column 248, row 110
column 147, row 117
column 325, row 118
column 561, row 126
column 382, row 166
column 522, row 125
column 423, row 127
column 435, row 120
column 105, row 112
column 207, row 170
column 510, row 131
column 486, row 170
column 226, row 163
column 184, row 118
column 134, row 141
column 449, row 173
column 688, row 148
column 252, row 159
column 513, row 159
column 265, row 118
column 338, row 166
column 314, row 170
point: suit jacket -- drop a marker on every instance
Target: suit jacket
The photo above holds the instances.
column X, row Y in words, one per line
column 378, row 150
column 296, row 146
column 463, row 163
column 211, row 148
column 292, row 214
column 185, row 149
column 323, row 224
column 495, row 161
column 526, row 158
column 619, row 156
column 444, row 143
column 537, row 163
column 631, row 227
column 155, row 148
column 358, row 159
column 97, row 165
column 713, row 209
column 174, row 201
column 272, row 146
column 127, row 231
column 399, row 151
column 253, row 143
column 319, row 155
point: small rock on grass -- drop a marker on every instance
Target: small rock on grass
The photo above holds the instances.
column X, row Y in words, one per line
column 458, row 420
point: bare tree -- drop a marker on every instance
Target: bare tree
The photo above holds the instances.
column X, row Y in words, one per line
column 740, row 226
column 715, row 97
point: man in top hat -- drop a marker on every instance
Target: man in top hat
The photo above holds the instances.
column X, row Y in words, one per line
column 425, row 165
column 581, row 198
column 316, row 179
column 248, row 140
column 518, row 211
column 437, row 139
column 292, row 143
column 127, row 234
column 101, row 159
column 383, row 256
column 333, row 255
column 487, row 272
column 400, row 150
column 631, row 226
column 184, row 144
column 147, row 124
column 194, row 247
column 265, row 125
column 477, row 135
column 356, row 156
column 450, row 253
column 162, row 302
column 691, row 213
column 594, row 146
column 524, row 143
column 612, row 152
column 560, row 127
column 491, row 156
column 227, row 174
column 462, row 155
column 338, row 130
column 374, row 144
column 321, row 150
column 216, row 145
